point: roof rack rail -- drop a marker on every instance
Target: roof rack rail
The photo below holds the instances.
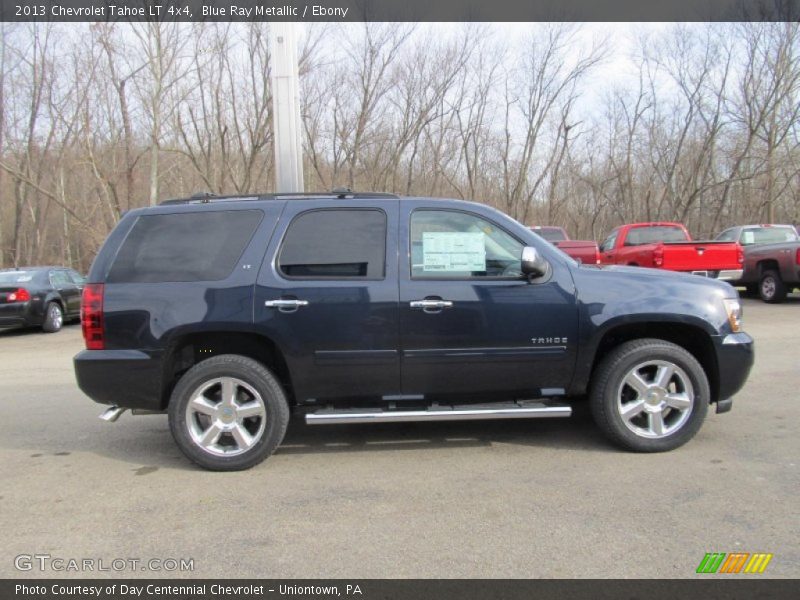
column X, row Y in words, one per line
column 203, row 195
column 338, row 193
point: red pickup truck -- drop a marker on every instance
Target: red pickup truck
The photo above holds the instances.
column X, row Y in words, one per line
column 669, row 246
column 586, row 252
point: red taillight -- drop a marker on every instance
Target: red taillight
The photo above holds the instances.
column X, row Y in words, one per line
column 597, row 257
column 92, row 316
column 740, row 255
column 658, row 257
column 20, row 295
column 797, row 256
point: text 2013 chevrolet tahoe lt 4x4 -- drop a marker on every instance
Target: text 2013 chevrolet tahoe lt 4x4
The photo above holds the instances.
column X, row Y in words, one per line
column 228, row 313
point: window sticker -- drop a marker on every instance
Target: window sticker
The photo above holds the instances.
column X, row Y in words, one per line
column 748, row 237
column 453, row 252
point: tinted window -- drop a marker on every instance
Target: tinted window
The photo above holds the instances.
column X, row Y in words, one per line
column 551, row 234
column 728, row 235
column 608, row 245
column 649, row 235
column 16, row 276
column 203, row 246
column 335, row 243
column 447, row 244
column 59, row 279
column 767, row 235
column 76, row 277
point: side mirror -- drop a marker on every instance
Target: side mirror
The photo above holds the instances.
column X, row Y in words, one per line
column 533, row 264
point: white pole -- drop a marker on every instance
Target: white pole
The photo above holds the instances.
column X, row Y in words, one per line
column 286, row 108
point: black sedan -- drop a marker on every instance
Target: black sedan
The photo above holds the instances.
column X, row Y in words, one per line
column 39, row 297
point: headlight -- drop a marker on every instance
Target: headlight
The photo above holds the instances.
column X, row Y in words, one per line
column 734, row 309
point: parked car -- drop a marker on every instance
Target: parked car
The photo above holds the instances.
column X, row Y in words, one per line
column 39, row 297
column 228, row 313
column 754, row 235
column 586, row 252
column 669, row 246
column 771, row 259
column 772, row 270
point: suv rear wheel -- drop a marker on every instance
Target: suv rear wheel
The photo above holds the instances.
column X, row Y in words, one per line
column 228, row 413
column 649, row 395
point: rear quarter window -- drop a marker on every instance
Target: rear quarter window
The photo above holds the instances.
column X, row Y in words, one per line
column 203, row 246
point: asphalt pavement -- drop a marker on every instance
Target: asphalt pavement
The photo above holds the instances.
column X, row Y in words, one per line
column 522, row 499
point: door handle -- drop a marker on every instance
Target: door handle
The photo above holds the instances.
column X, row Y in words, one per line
column 431, row 304
column 281, row 304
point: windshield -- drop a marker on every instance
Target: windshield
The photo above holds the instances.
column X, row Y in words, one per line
column 650, row 235
column 16, row 277
column 767, row 235
column 551, row 234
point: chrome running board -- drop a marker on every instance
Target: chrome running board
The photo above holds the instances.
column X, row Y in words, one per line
column 511, row 410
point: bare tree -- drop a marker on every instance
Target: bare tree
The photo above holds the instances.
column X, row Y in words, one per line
column 159, row 44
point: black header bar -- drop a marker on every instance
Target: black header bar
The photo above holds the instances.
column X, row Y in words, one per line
column 711, row 588
column 399, row 10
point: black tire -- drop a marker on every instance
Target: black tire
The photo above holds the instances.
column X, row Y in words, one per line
column 771, row 288
column 253, row 376
column 53, row 318
column 608, row 389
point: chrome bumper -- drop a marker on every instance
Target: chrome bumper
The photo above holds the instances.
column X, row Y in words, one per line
column 730, row 275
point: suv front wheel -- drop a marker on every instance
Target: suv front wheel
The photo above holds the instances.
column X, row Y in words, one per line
column 228, row 413
column 649, row 395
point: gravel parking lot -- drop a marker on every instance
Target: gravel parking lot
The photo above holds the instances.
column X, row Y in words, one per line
column 548, row 498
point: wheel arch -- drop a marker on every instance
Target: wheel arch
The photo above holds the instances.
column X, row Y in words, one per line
column 767, row 264
column 43, row 308
column 53, row 297
column 189, row 349
column 692, row 338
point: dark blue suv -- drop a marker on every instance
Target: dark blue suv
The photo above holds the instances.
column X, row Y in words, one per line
column 229, row 313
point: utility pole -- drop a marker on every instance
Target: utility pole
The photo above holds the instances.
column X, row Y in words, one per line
column 286, row 108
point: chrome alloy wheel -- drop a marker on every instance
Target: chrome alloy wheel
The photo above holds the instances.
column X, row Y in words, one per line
column 655, row 399
column 56, row 316
column 226, row 416
column 768, row 287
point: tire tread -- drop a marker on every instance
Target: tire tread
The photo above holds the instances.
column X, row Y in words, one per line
column 780, row 287
column 604, row 418
column 276, row 404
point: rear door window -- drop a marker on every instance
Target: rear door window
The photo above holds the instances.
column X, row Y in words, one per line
column 202, row 246
column 60, row 279
column 76, row 277
column 335, row 244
